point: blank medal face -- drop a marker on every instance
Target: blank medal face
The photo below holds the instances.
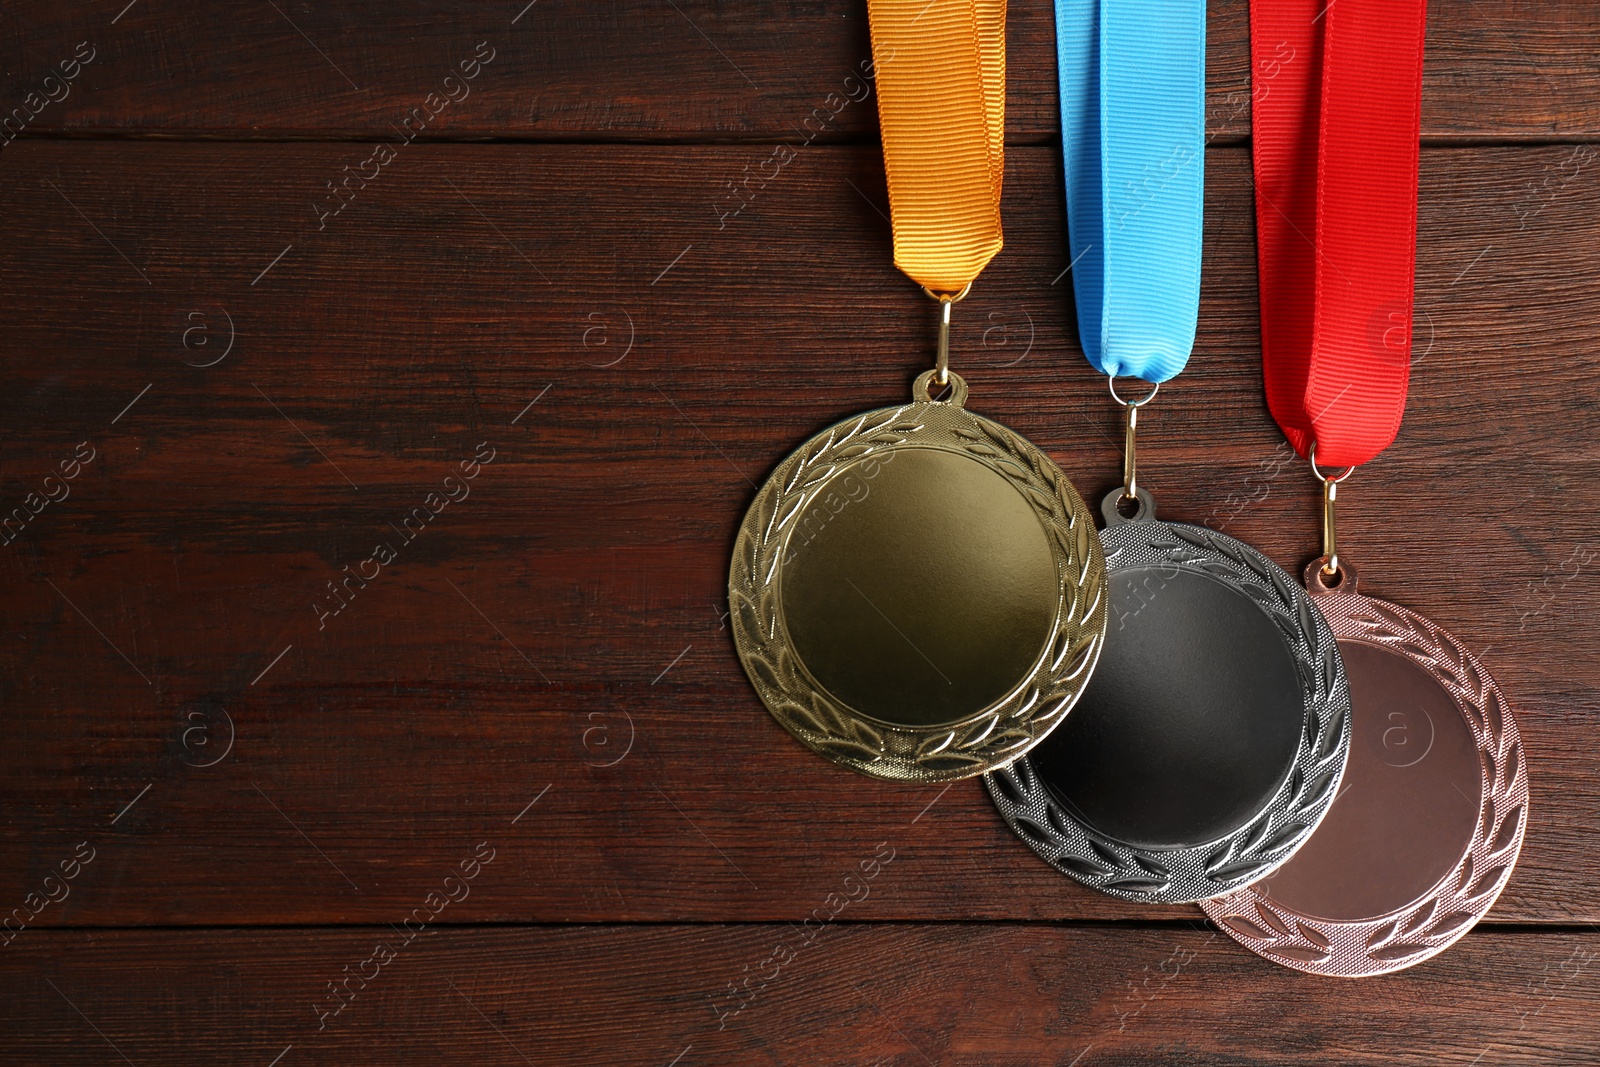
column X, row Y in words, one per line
column 1192, row 720
column 1211, row 739
column 917, row 593
column 1409, row 803
column 1429, row 821
column 919, row 588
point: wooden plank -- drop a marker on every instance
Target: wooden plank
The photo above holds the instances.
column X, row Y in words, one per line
column 575, row 599
column 834, row 993
column 1495, row 68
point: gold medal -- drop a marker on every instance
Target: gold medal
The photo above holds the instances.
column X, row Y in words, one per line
column 917, row 592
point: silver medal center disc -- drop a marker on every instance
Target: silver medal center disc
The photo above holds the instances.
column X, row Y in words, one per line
column 917, row 592
column 1426, row 835
column 1213, row 737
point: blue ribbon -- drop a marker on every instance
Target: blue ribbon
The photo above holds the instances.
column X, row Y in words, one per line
column 1133, row 136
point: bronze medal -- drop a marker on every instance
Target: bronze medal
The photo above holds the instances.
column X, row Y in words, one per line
column 1430, row 821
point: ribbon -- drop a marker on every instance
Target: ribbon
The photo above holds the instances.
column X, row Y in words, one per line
column 1337, row 105
column 1132, row 78
column 940, row 66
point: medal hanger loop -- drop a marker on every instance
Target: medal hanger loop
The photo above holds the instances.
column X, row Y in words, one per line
column 942, row 359
column 1329, row 563
column 1130, row 445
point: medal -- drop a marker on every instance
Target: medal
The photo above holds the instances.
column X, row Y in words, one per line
column 1212, row 738
column 1428, row 827
column 916, row 593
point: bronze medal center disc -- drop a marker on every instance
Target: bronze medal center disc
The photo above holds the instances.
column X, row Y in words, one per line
column 1409, row 804
column 1191, row 721
column 919, row 587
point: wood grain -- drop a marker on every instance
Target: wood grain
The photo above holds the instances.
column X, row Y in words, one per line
column 575, row 598
column 852, row 993
column 672, row 72
column 221, row 787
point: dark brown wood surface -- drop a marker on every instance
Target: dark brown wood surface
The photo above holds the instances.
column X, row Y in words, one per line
column 1007, row 995
column 269, row 389
column 678, row 71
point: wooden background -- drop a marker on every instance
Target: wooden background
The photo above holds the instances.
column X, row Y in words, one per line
column 552, row 273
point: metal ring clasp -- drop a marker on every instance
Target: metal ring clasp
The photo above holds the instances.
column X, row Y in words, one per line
column 1330, row 496
column 1130, row 445
column 941, row 364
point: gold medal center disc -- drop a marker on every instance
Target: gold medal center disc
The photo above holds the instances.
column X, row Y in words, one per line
column 917, row 593
column 920, row 596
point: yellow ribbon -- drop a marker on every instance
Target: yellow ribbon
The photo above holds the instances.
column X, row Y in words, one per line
column 941, row 72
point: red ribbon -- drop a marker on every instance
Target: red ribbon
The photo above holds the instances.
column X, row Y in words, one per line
column 1336, row 103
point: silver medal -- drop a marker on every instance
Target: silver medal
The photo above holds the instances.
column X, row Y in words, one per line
column 1211, row 740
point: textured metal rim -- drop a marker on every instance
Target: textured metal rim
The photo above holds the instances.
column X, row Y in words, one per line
column 1440, row 917
column 1185, row 875
column 999, row 733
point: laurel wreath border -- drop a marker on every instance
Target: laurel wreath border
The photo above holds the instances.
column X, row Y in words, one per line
column 1002, row 732
column 1436, row 920
column 1185, row 875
